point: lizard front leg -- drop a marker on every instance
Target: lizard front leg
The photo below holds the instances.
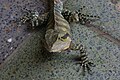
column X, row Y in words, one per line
column 83, row 19
column 83, row 58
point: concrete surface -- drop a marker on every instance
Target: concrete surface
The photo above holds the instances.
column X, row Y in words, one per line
column 12, row 35
column 28, row 62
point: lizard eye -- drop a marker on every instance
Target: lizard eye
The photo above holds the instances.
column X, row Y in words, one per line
column 65, row 36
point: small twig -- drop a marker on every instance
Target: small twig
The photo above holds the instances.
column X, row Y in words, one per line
column 106, row 35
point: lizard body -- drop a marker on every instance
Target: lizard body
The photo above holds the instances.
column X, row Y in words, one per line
column 58, row 36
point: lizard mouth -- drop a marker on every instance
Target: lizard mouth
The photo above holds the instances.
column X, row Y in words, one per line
column 59, row 45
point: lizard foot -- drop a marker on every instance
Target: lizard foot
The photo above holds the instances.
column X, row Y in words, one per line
column 84, row 61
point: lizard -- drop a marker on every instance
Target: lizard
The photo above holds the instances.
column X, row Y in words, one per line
column 57, row 37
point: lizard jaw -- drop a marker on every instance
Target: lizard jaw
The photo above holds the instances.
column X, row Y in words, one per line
column 59, row 46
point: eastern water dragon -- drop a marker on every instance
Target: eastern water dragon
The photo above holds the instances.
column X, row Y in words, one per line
column 58, row 36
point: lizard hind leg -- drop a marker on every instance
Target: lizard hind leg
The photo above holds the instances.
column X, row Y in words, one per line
column 33, row 18
column 78, row 16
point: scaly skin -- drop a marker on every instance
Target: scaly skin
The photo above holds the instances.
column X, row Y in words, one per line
column 58, row 36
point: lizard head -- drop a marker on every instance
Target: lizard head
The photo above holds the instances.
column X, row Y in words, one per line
column 57, row 42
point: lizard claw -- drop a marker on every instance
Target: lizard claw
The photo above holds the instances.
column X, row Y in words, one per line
column 85, row 65
column 84, row 61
